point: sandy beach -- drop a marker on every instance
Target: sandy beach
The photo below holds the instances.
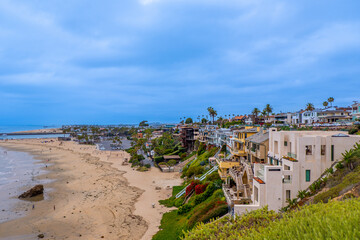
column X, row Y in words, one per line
column 93, row 195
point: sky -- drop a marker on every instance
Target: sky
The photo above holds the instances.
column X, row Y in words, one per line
column 108, row 62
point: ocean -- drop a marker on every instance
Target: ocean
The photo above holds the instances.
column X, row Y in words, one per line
column 18, row 171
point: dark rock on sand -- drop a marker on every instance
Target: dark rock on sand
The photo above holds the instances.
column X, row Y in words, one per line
column 41, row 235
column 37, row 190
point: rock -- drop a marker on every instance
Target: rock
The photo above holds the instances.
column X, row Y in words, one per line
column 157, row 188
column 41, row 235
column 37, row 190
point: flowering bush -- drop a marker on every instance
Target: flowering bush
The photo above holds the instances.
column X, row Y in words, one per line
column 200, row 189
column 191, row 187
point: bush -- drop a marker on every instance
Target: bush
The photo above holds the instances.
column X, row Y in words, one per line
column 353, row 130
column 178, row 202
column 339, row 166
column 184, row 209
column 200, row 188
column 194, row 170
column 162, row 163
column 191, row 187
column 171, row 162
column 148, row 165
column 158, row 159
column 212, row 177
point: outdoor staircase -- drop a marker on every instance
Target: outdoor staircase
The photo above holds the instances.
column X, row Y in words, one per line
column 182, row 192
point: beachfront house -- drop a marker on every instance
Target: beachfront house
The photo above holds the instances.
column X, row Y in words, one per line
column 295, row 160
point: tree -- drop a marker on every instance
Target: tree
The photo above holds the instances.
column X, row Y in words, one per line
column 143, row 124
column 212, row 113
column 189, row 120
column 256, row 112
column 331, row 100
column 309, row 107
column 325, row 104
column 268, row 109
column 203, row 120
column 263, row 113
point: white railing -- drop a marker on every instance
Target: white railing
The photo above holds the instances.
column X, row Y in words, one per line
column 201, row 178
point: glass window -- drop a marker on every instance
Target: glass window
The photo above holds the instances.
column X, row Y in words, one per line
column 323, row 149
column 308, row 149
column 332, row 152
column 285, row 143
column 288, row 194
column 307, row 173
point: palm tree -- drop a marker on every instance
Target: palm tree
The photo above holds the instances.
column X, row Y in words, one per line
column 212, row 113
column 325, row 104
column 256, row 112
column 309, row 107
column 331, row 100
column 263, row 113
column 268, row 109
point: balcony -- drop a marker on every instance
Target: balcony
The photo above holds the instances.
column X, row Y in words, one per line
column 260, row 173
column 292, row 155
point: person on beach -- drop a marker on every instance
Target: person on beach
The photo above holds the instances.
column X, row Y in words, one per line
column 33, row 206
column 54, row 207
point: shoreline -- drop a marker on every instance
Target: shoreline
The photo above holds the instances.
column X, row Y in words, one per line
column 116, row 210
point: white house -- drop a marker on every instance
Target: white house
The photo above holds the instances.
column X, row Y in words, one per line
column 296, row 160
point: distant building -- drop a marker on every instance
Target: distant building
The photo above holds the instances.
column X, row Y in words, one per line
column 355, row 111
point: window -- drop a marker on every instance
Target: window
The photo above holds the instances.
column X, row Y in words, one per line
column 332, row 153
column 308, row 149
column 323, row 150
column 286, row 167
column 288, row 194
column 271, row 160
column 256, row 194
column 285, row 143
column 307, row 173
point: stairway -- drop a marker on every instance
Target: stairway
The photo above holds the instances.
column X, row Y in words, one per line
column 182, row 192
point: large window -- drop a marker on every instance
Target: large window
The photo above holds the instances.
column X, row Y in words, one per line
column 332, row 152
column 307, row 175
column 308, row 149
column 288, row 194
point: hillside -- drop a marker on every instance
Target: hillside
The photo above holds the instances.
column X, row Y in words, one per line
column 329, row 209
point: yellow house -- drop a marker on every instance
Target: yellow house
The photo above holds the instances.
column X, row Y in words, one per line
column 237, row 150
column 238, row 141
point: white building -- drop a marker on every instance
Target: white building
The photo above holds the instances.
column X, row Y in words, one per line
column 309, row 117
column 297, row 159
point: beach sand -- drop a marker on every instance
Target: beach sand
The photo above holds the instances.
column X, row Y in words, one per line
column 94, row 194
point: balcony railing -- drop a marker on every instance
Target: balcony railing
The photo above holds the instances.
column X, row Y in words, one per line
column 292, row 155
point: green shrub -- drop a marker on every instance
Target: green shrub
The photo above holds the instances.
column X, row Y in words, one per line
column 158, row 159
column 335, row 220
column 353, row 130
column 148, row 165
column 179, row 202
column 184, row 209
column 194, row 170
column 339, row 166
column 162, row 163
column 212, row 177
column 171, row 162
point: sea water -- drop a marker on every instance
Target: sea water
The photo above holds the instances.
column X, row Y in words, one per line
column 18, row 171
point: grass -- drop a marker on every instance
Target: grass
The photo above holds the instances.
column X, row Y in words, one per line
column 335, row 220
column 347, row 182
column 173, row 224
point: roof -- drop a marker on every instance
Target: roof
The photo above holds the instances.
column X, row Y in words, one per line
column 247, row 130
column 239, row 117
column 169, row 157
column 259, row 180
column 258, row 137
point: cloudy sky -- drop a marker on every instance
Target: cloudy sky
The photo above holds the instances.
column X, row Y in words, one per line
column 65, row 61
